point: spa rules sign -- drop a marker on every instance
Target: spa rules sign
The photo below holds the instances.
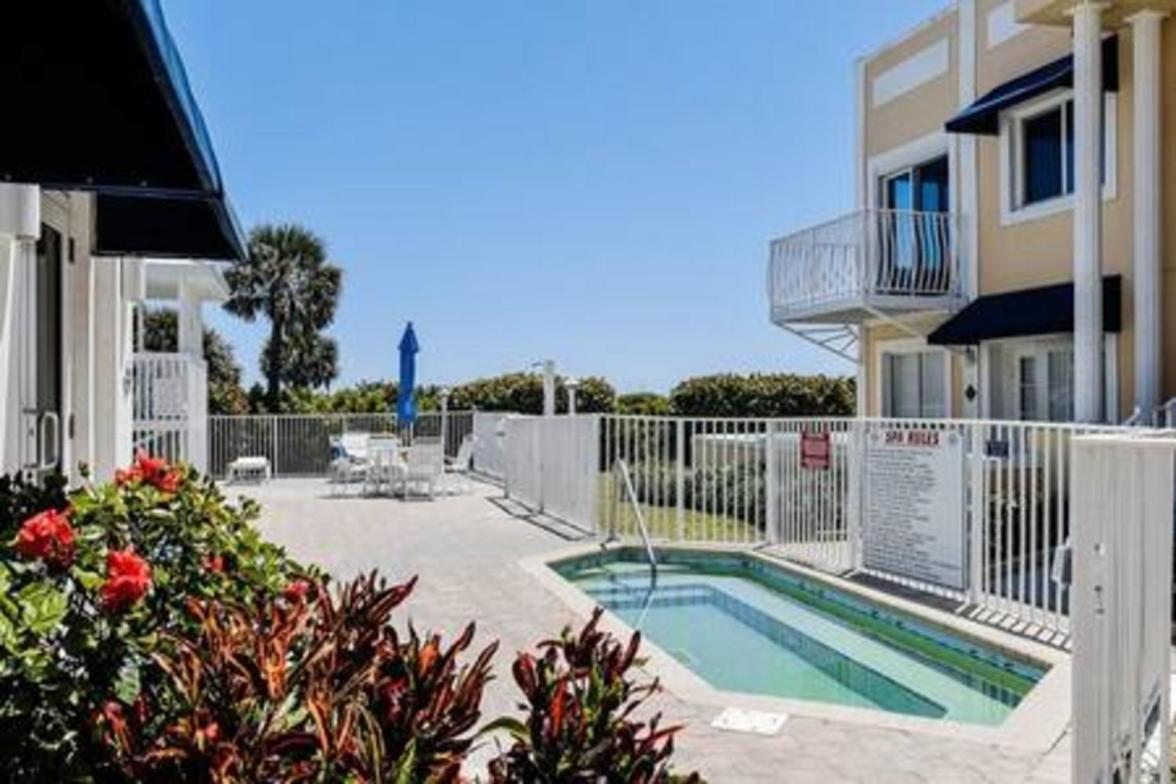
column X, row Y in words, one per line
column 914, row 521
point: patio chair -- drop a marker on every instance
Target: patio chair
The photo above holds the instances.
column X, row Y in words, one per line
column 349, row 459
column 461, row 466
column 424, row 467
column 385, row 466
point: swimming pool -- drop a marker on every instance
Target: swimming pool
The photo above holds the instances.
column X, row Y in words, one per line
column 744, row 624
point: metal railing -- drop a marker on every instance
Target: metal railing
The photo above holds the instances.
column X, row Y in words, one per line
column 748, row 482
column 169, row 406
column 627, row 482
column 869, row 253
column 300, row 444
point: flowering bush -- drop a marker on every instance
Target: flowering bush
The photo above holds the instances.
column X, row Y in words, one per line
column 148, row 633
column 579, row 703
column 309, row 687
column 89, row 588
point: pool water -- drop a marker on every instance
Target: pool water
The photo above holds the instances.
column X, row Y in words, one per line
column 746, row 625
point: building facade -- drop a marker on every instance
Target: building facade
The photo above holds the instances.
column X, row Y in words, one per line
column 1012, row 251
column 110, row 197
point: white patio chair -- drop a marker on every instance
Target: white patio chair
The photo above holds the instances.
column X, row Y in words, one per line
column 424, row 467
column 350, row 462
column 385, row 463
column 460, row 466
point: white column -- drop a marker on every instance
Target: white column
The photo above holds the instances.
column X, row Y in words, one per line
column 1145, row 28
column 548, row 387
column 20, row 226
column 1088, row 98
column 189, row 324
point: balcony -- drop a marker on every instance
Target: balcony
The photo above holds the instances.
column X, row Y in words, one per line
column 170, row 406
column 868, row 264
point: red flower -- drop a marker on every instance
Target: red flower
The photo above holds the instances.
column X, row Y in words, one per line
column 297, row 591
column 48, row 536
column 429, row 653
column 214, row 563
column 128, row 577
column 154, row 471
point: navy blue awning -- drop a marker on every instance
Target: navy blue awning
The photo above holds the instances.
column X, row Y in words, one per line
column 1013, row 314
column 100, row 102
column 983, row 116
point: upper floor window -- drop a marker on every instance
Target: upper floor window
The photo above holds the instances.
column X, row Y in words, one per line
column 1038, row 145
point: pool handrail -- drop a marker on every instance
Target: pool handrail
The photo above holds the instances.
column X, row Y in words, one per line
column 622, row 468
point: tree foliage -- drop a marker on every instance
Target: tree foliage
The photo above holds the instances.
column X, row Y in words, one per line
column 764, row 395
column 522, row 393
column 288, row 281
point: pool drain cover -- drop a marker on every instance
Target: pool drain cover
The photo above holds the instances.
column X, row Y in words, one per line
column 750, row 721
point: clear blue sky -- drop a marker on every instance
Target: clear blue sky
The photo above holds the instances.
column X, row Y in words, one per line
column 594, row 181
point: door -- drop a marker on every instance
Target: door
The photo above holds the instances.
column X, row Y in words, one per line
column 41, row 362
column 915, row 234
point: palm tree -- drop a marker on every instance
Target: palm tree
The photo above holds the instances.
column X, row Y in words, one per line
column 288, row 280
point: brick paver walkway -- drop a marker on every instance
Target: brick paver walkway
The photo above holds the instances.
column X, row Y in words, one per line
column 466, row 551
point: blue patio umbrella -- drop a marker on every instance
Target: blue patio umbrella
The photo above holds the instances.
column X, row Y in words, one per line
column 405, row 400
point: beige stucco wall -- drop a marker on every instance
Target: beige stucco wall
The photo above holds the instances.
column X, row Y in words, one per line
column 923, row 109
column 1036, row 252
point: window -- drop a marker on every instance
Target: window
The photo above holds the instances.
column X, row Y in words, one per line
column 914, row 384
column 1045, row 382
column 1038, row 145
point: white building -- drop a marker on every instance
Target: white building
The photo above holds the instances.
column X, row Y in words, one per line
column 110, row 195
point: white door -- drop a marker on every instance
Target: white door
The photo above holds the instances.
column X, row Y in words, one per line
column 41, row 366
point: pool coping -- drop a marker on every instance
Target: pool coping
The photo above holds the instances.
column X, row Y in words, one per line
column 1035, row 724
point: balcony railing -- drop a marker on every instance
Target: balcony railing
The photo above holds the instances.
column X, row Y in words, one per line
column 170, row 406
column 867, row 262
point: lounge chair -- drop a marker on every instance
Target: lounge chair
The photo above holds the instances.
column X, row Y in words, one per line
column 349, row 459
column 460, row 467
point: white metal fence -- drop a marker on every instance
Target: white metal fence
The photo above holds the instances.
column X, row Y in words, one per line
column 1122, row 491
column 300, row 444
column 169, row 406
column 748, row 482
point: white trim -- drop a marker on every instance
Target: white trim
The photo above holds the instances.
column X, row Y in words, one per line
column 916, row 151
column 1011, row 156
column 859, row 153
column 915, row 71
column 965, row 168
column 1003, row 25
column 909, row 346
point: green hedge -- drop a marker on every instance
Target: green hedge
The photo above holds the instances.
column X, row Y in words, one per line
column 764, row 395
column 522, row 393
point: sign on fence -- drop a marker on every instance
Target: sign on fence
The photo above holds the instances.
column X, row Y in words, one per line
column 815, row 450
column 914, row 520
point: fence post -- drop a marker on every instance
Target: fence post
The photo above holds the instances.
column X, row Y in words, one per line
column 772, row 484
column 975, row 513
column 679, row 479
column 857, row 490
column 274, row 441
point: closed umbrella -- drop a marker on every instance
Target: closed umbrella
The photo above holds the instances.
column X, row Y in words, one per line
column 405, row 400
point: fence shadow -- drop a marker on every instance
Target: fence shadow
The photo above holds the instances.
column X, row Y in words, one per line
column 569, row 532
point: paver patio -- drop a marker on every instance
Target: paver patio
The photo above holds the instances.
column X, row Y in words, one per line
column 466, row 551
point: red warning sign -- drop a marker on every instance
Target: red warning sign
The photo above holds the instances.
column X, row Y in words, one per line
column 814, row 451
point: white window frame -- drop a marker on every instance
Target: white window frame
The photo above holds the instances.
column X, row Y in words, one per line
column 905, row 156
column 884, row 348
column 1012, row 158
column 1007, row 373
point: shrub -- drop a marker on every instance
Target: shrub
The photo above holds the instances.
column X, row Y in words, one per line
column 644, row 404
column 579, row 726
column 764, row 395
column 87, row 589
column 309, row 689
column 522, row 393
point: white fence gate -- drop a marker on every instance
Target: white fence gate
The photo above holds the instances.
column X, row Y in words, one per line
column 489, row 429
column 552, row 465
column 1122, row 491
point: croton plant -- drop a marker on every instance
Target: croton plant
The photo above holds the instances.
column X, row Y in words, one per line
column 149, row 633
